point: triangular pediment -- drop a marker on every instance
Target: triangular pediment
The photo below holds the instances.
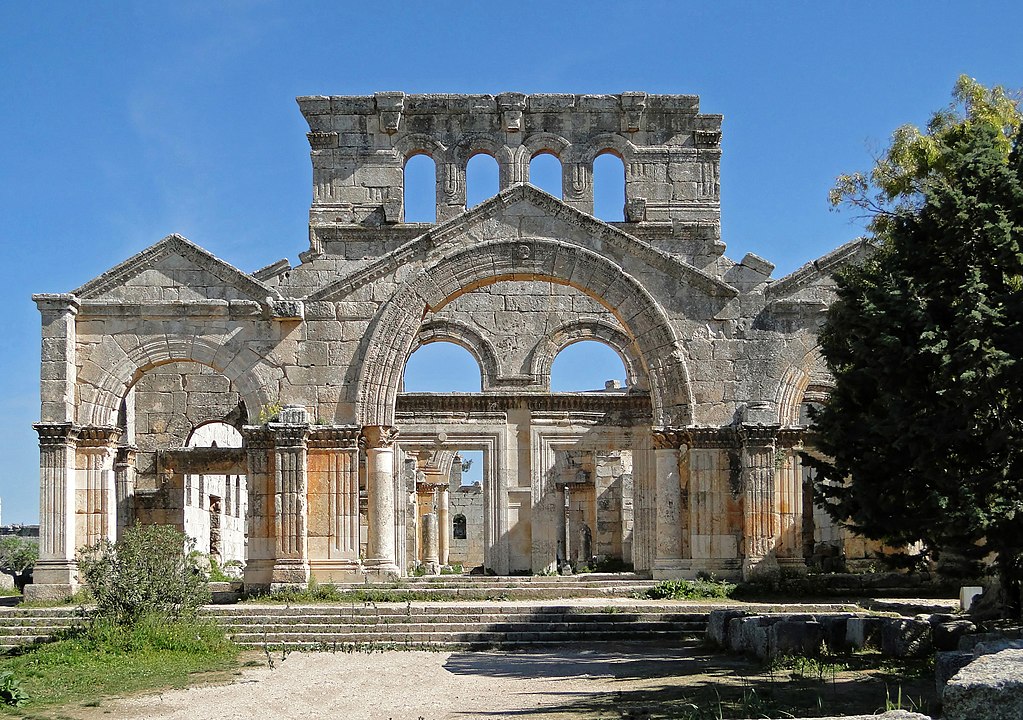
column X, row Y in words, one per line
column 174, row 270
column 516, row 214
column 815, row 280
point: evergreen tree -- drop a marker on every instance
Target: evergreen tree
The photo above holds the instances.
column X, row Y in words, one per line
column 924, row 427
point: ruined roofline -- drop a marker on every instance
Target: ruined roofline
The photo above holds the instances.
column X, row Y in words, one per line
column 417, row 103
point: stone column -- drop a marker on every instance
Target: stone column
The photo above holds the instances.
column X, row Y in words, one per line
column 55, row 574
column 668, row 559
column 291, row 486
column 260, row 548
column 431, row 546
column 760, row 515
column 125, row 472
column 444, row 524
column 380, row 548
column 95, row 490
column 450, row 189
column 566, row 524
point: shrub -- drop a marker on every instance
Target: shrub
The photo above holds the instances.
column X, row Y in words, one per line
column 17, row 557
column 148, row 571
column 10, row 690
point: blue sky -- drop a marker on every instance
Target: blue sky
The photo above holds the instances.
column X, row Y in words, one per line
column 121, row 122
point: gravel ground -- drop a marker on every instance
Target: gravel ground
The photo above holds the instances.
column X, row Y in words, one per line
column 427, row 685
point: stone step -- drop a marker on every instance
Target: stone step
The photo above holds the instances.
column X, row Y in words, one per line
column 457, row 627
column 462, row 610
column 460, row 638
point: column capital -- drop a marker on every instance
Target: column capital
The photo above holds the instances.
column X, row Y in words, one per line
column 257, row 437
column 334, row 437
column 379, row 436
column 57, row 434
column 758, row 435
column 100, row 437
column 669, row 438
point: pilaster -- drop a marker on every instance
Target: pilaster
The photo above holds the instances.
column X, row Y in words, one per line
column 55, row 574
column 291, row 561
column 669, row 449
column 760, row 513
column 333, row 515
column 57, row 372
column 95, row 489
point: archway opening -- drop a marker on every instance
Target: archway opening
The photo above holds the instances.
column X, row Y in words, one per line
column 441, row 367
column 587, row 365
column 609, row 187
column 420, row 190
column 482, row 179
column 545, row 173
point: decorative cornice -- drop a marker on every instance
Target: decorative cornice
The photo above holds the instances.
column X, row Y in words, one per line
column 98, row 436
column 334, row 437
column 257, row 437
column 633, row 405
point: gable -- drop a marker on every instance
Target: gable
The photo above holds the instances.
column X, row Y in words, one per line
column 174, row 270
column 813, row 283
column 518, row 214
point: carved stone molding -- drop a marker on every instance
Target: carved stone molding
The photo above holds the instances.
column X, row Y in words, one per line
column 334, row 437
column 57, row 434
column 98, row 436
column 379, row 436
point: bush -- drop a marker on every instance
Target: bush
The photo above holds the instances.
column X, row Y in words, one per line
column 10, row 690
column 147, row 572
column 17, row 557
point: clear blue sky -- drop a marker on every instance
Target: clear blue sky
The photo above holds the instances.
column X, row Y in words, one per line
column 122, row 122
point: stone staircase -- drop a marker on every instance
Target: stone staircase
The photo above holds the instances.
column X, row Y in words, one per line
column 527, row 587
column 23, row 626
column 411, row 625
column 461, row 625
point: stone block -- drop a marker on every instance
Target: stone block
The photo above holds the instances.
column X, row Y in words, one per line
column 863, row 632
column 718, row 624
column 946, row 665
column 902, row 637
column 834, row 631
column 948, row 634
column 989, row 688
column 794, row 637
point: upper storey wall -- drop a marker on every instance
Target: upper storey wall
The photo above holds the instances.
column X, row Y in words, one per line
column 359, row 146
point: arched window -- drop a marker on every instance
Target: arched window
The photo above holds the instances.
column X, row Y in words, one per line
column 545, row 173
column 609, row 188
column 458, row 529
column 482, row 179
column 442, row 367
column 587, row 365
column 420, row 190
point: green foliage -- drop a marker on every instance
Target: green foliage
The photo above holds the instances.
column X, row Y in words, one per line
column 900, row 177
column 105, row 658
column 924, row 426
column 148, row 571
column 17, row 556
column 10, row 690
column 679, row 589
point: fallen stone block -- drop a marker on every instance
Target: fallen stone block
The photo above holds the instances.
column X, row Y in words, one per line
column 863, row 632
column 946, row 635
column 794, row 637
column 717, row 626
column 901, row 637
column 989, row 688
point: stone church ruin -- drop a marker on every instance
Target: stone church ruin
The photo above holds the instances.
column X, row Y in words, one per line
column 263, row 413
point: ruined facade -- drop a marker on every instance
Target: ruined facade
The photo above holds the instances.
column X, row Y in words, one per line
column 336, row 473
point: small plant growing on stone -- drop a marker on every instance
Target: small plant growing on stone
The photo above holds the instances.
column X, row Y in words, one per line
column 269, row 412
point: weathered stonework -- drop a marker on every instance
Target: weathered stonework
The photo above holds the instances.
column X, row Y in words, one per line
column 690, row 468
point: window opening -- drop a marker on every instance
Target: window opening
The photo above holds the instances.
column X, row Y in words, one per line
column 587, row 365
column 458, row 527
column 482, row 179
column 609, row 188
column 420, row 191
column 442, row 367
column 545, row 173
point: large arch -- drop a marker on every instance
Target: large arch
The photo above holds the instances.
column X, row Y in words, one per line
column 103, row 388
column 588, row 329
column 460, row 272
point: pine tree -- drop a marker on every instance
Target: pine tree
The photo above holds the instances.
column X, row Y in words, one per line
column 924, row 427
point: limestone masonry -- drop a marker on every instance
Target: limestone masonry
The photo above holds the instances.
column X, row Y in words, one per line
column 263, row 413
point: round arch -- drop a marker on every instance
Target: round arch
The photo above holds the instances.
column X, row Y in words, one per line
column 810, row 372
column 576, row 331
column 102, row 389
column 430, row 289
column 440, row 330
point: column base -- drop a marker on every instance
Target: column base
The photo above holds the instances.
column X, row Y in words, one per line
column 288, row 573
column 766, row 566
column 670, row 568
column 50, row 592
column 381, row 568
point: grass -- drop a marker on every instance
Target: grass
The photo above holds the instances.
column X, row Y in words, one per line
column 680, row 589
column 315, row 593
column 102, row 659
